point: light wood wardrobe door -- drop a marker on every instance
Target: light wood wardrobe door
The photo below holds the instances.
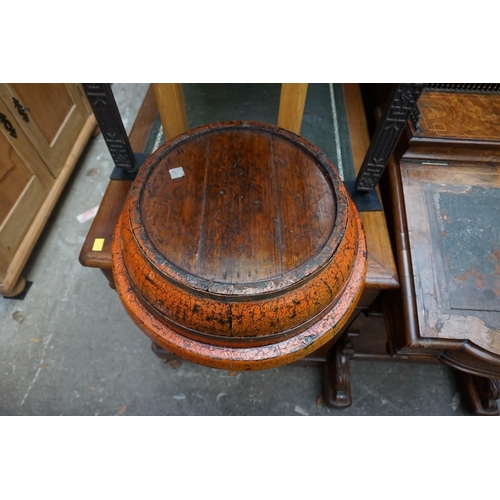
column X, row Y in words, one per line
column 51, row 114
column 24, row 184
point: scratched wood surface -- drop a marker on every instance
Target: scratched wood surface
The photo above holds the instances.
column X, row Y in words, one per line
column 248, row 206
column 254, row 245
column 453, row 216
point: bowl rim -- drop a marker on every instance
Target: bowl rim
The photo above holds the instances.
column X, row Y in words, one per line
column 292, row 278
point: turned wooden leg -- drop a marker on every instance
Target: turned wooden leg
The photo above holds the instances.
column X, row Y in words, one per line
column 480, row 394
column 172, row 108
column 292, row 103
column 336, row 379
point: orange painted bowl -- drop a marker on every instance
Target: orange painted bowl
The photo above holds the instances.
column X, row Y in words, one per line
column 239, row 247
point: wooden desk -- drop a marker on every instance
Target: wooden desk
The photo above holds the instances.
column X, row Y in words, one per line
column 442, row 190
column 381, row 274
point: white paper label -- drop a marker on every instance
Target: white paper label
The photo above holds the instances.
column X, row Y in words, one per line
column 176, row 173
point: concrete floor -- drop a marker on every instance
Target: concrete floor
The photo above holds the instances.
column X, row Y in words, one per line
column 69, row 348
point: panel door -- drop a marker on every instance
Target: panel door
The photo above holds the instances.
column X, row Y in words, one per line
column 24, row 184
column 51, row 114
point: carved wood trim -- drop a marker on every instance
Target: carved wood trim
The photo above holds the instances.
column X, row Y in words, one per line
column 399, row 106
column 103, row 104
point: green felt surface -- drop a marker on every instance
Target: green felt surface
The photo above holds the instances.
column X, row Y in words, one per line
column 323, row 124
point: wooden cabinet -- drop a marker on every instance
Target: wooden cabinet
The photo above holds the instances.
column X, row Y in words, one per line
column 445, row 198
column 43, row 130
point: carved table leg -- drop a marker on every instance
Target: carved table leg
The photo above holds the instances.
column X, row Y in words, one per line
column 336, row 379
column 480, row 393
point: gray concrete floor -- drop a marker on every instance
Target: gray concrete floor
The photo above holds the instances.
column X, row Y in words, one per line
column 69, row 348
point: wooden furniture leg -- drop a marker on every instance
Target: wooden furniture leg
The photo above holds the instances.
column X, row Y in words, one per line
column 480, row 393
column 163, row 354
column 292, row 102
column 336, row 379
column 172, row 108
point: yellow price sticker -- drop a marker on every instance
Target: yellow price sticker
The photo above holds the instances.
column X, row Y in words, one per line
column 98, row 245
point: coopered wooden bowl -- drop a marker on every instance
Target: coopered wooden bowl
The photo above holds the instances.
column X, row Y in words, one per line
column 239, row 248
